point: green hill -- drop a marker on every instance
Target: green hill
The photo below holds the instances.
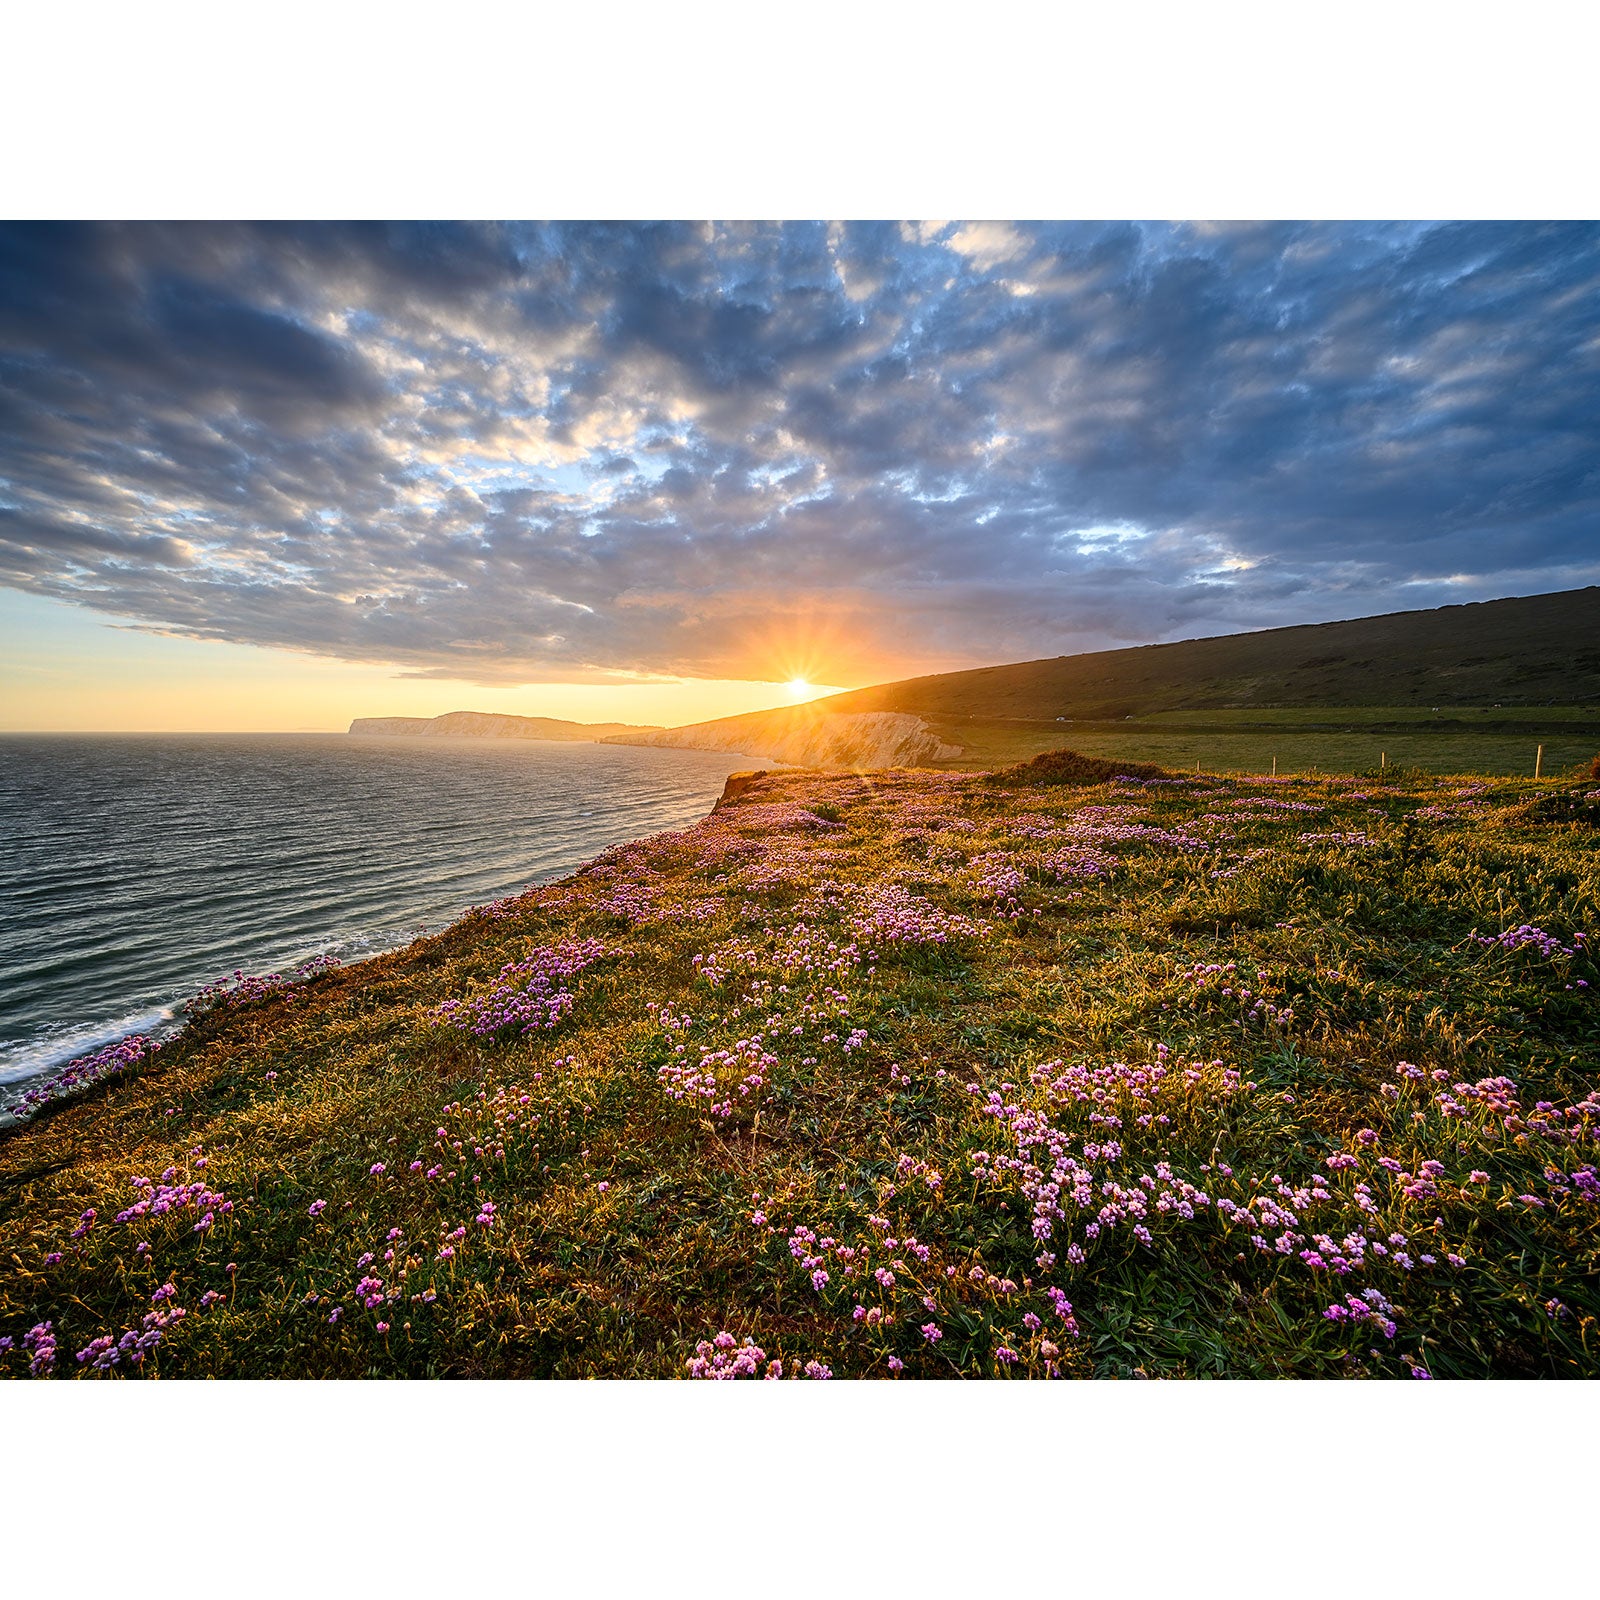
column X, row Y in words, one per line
column 1539, row 651
column 1472, row 688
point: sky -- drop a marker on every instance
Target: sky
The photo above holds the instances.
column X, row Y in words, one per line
column 277, row 476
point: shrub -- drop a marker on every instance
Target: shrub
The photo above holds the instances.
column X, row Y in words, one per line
column 1073, row 768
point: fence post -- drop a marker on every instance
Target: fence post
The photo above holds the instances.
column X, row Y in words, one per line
column 1538, row 761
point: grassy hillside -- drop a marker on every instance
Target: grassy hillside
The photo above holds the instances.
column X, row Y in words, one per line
column 917, row 1075
column 1467, row 688
column 1542, row 650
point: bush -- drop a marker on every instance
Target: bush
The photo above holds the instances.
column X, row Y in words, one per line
column 1073, row 768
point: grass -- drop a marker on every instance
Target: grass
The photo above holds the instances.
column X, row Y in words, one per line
column 1491, row 740
column 911, row 1074
column 1529, row 652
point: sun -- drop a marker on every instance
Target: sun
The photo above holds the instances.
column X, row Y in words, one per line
column 798, row 687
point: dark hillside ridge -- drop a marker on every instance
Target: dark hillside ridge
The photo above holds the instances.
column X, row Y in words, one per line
column 1538, row 650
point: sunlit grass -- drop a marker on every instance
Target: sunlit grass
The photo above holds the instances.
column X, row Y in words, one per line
column 898, row 1075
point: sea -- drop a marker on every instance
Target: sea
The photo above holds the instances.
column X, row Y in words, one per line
column 135, row 869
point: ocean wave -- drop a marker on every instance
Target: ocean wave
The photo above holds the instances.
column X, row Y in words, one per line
column 54, row 1049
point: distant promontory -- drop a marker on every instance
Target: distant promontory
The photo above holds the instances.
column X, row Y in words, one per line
column 495, row 725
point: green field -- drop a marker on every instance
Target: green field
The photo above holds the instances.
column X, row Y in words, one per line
column 895, row 1075
column 1497, row 740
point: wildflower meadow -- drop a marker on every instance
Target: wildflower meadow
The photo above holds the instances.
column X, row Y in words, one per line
column 1050, row 1073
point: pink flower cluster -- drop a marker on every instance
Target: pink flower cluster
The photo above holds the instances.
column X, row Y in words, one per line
column 1527, row 937
column 529, row 994
column 1223, row 981
column 723, row 1358
column 160, row 1199
column 746, row 1065
column 890, row 915
column 87, row 1071
column 241, row 990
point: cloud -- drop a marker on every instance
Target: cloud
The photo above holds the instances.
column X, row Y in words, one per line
column 987, row 244
column 571, row 451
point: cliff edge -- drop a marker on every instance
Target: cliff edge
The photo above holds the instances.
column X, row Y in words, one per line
column 494, row 725
column 804, row 737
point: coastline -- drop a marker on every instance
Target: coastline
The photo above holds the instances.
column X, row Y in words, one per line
column 56, row 1048
column 165, row 1024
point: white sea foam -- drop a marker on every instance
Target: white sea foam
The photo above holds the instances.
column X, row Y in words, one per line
column 35, row 1056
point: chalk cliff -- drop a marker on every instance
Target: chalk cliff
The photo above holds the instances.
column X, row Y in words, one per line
column 802, row 737
column 493, row 725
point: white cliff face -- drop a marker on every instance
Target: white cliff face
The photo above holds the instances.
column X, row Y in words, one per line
column 860, row 741
column 491, row 725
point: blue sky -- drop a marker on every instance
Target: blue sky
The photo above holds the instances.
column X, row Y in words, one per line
column 586, row 454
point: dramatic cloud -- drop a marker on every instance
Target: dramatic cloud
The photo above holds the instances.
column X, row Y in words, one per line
column 567, row 452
